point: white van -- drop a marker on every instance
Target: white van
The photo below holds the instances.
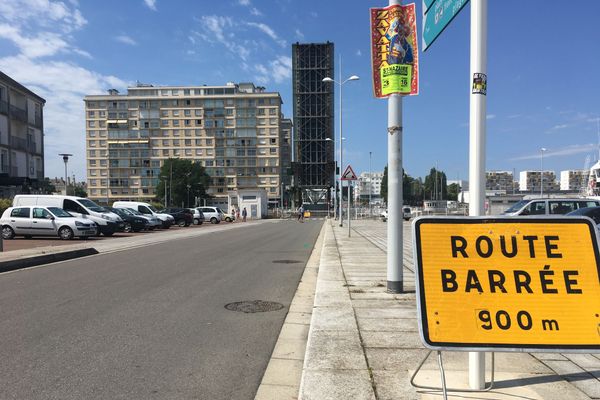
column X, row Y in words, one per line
column 549, row 206
column 146, row 209
column 108, row 222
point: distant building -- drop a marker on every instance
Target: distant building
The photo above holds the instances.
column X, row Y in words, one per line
column 21, row 136
column 574, row 179
column 530, row 181
column 235, row 131
column 500, row 180
column 369, row 184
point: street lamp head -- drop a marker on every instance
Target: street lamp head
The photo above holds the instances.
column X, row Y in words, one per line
column 353, row 78
column 544, row 149
column 328, row 79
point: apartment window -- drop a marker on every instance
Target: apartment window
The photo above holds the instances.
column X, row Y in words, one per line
column 229, row 111
column 91, row 124
column 187, row 113
column 164, row 113
column 209, row 142
column 92, row 133
column 91, row 114
column 188, row 142
column 175, row 92
column 92, row 172
column 198, row 122
column 261, row 111
column 92, row 143
column 273, row 121
column 176, row 142
column 175, row 113
column 103, row 163
column 198, row 113
column 164, row 122
column 186, row 92
column 273, row 141
column 198, row 142
column 272, row 111
column 102, row 114
column 188, row 152
column 92, row 163
column 198, row 152
column 166, row 153
column 175, row 122
column 273, row 131
column 164, row 92
column 103, row 143
column 165, row 142
column 155, row 153
column 92, row 153
column 175, row 132
column 262, row 131
column 262, row 141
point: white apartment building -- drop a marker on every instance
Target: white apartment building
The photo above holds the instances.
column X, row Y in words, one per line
column 234, row 131
column 369, row 183
column 499, row 180
column 530, row 181
column 574, row 179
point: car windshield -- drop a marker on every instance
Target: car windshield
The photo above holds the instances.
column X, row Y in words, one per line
column 59, row 212
column 117, row 211
column 91, row 205
column 131, row 211
column 126, row 211
column 580, row 211
column 152, row 208
column 516, row 207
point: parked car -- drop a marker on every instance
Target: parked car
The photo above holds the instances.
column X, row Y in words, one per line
column 384, row 215
column 212, row 214
column 183, row 216
column 153, row 222
column 146, row 209
column 592, row 212
column 228, row 217
column 131, row 222
column 107, row 222
column 556, row 206
column 44, row 221
column 406, row 213
column 198, row 216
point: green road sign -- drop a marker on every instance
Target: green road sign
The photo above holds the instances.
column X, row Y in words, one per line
column 427, row 4
column 437, row 18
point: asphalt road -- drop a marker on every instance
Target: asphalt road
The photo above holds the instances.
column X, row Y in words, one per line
column 150, row 323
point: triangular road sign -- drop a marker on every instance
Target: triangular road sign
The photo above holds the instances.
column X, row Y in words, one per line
column 349, row 174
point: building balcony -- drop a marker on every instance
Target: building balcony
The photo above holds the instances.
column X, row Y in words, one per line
column 18, row 113
column 3, row 107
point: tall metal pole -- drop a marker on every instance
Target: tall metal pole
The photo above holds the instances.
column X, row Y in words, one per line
column 542, row 150
column 370, row 184
column 341, row 151
column 477, row 135
column 171, row 184
column 349, row 200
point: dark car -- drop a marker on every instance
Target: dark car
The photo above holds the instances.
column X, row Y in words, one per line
column 131, row 223
column 183, row 216
column 592, row 212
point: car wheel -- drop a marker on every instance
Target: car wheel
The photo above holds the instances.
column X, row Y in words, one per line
column 108, row 234
column 196, row 221
column 136, row 230
column 213, row 220
column 228, row 219
column 65, row 233
column 181, row 222
column 7, row 233
column 127, row 227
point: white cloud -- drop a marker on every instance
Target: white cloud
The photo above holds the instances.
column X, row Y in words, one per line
column 53, row 15
column 244, row 2
column 268, row 31
column 256, row 12
column 126, row 39
column 490, row 116
column 277, row 70
column 358, row 53
column 299, row 34
column 558, row 127
column 42, row 45
column 151, row 4
column 564, row 151
column 217, row 29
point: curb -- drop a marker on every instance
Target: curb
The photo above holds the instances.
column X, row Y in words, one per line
column 22, row 263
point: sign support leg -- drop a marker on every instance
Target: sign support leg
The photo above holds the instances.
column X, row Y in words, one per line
column 477, row 136
column 394, row 226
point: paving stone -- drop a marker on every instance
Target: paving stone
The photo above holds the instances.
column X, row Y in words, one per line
column 326, row 299
column 336, row 385
column 583, row 380
column 294, row 331
column 585, row 361
column 276, row 392
column 326, row 318
column 335, row 350
column 549, row 356
column 283, row 372
column 290, row 349
column 298, row 317
column 386, row 313
column 388, row 324
column 392, row 339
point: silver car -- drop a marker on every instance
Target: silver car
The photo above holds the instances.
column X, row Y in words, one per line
column 44, row 221
column 212, row 214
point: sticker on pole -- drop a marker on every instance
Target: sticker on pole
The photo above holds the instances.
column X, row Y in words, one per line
column 508, row 284
column 349, row 174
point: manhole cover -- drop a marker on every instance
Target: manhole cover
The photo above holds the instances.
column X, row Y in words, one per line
column 286, row 261
column 254, row 306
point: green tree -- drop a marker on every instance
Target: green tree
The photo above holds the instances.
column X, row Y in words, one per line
column 435, row 185
column 182, row 177
column 78, row 191
column 453, row 190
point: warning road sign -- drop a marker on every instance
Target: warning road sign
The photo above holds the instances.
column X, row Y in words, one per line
column 517, row 284
column 349, row 174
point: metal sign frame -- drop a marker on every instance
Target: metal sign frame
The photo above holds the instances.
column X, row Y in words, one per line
column 349, row 169
column 529, row 348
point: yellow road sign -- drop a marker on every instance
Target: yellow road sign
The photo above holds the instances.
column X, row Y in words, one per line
column 512, row 284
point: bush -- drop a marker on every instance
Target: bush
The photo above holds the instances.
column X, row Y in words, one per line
column 4, row 204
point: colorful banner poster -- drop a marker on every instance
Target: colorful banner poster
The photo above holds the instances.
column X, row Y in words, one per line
column 394, row 50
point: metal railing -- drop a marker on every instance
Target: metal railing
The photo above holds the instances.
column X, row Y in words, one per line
column 18, row 113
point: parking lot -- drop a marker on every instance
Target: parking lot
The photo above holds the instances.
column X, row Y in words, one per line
column 20, row 243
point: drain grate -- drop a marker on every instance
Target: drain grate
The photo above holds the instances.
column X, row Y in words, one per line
column 254, row 306
column 286, row 261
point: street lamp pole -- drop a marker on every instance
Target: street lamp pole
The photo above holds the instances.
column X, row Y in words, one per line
column 341, row 84
column 65, row 157
column 370, row 185
column 542, row 150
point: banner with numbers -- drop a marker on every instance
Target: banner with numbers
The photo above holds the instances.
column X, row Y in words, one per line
column 394, row 50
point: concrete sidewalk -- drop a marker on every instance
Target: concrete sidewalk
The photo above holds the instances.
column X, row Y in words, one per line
column 363, row 343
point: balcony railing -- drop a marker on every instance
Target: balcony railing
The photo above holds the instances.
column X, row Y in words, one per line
column 18, row 143
column 3, row 107
column 18, row 113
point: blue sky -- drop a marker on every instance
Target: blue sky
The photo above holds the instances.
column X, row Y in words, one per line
column 543, row 71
